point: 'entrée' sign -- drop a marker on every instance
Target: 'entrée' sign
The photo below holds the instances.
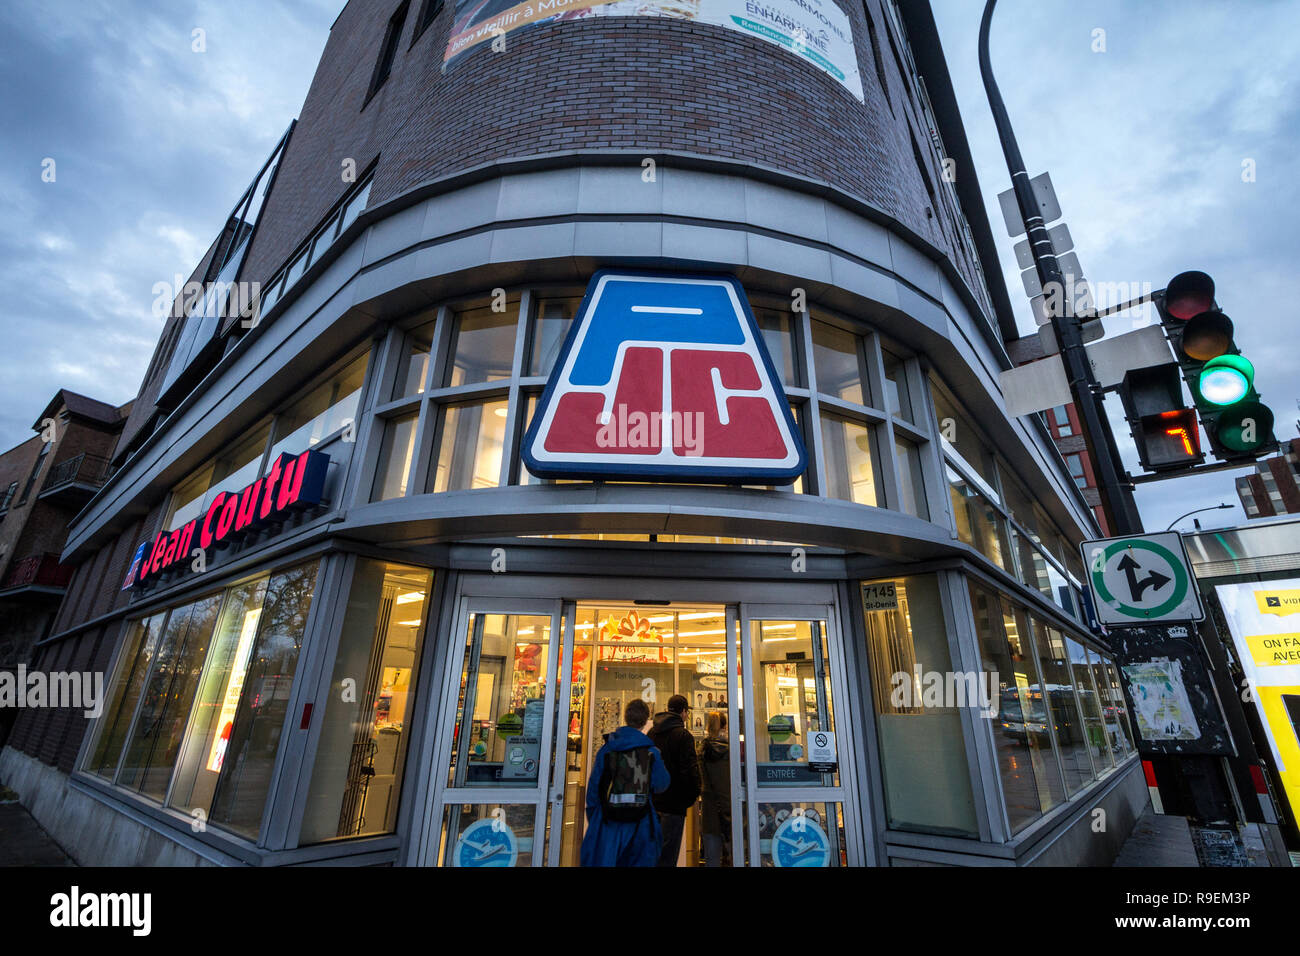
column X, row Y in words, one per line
column 292, row 483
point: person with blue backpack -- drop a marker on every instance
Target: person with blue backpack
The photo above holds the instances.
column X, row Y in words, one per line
column 622, row 826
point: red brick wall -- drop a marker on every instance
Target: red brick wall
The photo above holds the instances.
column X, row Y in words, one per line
column 617, row 82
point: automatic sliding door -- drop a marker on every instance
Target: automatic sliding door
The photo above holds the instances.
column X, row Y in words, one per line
column 795, row 809
column 494, row 762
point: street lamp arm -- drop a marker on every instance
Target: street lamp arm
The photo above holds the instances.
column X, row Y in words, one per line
column 1196, row 512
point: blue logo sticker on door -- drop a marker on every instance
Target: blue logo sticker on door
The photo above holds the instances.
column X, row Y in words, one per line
column 486, row 842
column 800, row 841
column 665, row 377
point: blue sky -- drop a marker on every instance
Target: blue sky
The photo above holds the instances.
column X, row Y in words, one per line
column 153, row 141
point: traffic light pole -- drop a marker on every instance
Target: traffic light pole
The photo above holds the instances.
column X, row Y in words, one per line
column 1116, row 495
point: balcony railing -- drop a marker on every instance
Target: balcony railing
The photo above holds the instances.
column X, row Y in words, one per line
column 37, row 570
column 85, row 471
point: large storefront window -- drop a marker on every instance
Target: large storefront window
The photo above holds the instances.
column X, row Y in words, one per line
column 204, row 689
column 160, row 723
column 365, row 728
column 133, row 666
column 1063, row 707
column 259, row 718
column 922, row 747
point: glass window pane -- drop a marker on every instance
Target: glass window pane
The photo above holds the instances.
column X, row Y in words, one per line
column 327, row 408
column 355, row 206
column 911, row 480
column 488, row 834
column 1115, row 703
column 850, row 465
column 1015, row 754
column 208, row 737
column 160, row 725
column 483, row 345
column 1063, row 706
column 396, row 453
column 550, row 327
column 357, row 777
column 900, row 397
column 413, row 372
column 836, row 362
column 255, row 734
column 923, row 751
column 1109, row 717
column 792, row 699
column 801, row 834
column 1090, row 705
column 230, row 471
column 1031, row 723
column 979, row 524
column 502, row 701
column 775, row 328
column 137, row 657
column 957, row 430
column 469, row 446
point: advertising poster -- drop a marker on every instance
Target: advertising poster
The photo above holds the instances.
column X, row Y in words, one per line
column 814, row 30
column 1264, row 620
column 1160, row 701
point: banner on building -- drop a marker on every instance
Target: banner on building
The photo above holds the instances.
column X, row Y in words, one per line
column 1264, row 621
column 817, row 31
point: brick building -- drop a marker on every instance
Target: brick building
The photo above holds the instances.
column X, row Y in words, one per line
column 331, row 595
column 44, row 482
column 1273, row 489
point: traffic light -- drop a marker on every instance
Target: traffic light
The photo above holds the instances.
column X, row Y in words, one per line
column 1163, row 429
column 1222, row 380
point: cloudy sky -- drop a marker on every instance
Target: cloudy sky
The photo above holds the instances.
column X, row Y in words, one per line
column 155, row 130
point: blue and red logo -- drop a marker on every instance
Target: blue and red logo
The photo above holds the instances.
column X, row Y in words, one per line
column 664, row 377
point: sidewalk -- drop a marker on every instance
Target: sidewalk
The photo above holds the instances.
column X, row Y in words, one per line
column 22, row 841
column 1158, row 840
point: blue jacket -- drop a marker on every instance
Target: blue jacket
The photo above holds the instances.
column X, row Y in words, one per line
column 623, row 844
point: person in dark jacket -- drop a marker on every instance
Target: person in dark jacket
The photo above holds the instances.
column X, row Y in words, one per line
column 613, row 843
column 677, row 745
column 715, row 799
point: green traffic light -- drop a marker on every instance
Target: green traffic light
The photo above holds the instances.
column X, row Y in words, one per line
column 1245, row 427
column 1226, row 380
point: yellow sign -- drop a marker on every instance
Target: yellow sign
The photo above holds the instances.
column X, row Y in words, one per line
column 1280, row 603
column 1271, row 650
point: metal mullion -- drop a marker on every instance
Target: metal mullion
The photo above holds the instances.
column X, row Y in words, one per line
column 442, row 724
column 816, row 472
column 559, row 768
column 751, row 762
column 398, row 407
column 863, row 413
column 739, row 802
column 910, row 431
column 362, row 464
column 470, row 392
column 510, row 437
column 440, row 357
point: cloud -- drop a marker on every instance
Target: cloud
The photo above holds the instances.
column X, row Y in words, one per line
column 1145, row 143
column 152, row 145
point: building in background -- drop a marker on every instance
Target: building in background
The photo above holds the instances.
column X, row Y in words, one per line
column 1274, row 488
column 345, row 623
column 44, row 482
column 1067, row 433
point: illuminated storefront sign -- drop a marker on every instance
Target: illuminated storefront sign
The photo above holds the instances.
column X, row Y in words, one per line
column 290, row 484
column 665, row 377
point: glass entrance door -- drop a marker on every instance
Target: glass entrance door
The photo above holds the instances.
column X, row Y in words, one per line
column 617, row 652
column 795, row 803
column 494, row 758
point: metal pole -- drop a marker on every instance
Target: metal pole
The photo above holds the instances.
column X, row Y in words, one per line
column 1218, row 507
column 1115, row 494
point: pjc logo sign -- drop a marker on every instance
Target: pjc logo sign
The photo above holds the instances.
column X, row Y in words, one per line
column 664, row 377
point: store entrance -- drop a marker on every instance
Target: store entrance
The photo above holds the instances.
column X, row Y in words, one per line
column 536, row 686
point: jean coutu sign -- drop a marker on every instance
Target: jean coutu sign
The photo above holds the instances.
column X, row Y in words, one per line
column 291, row 484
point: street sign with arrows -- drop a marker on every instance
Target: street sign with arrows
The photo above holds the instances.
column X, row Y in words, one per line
column 1141, row 579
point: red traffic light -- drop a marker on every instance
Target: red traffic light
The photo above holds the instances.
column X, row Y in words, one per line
column 1189, row 294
